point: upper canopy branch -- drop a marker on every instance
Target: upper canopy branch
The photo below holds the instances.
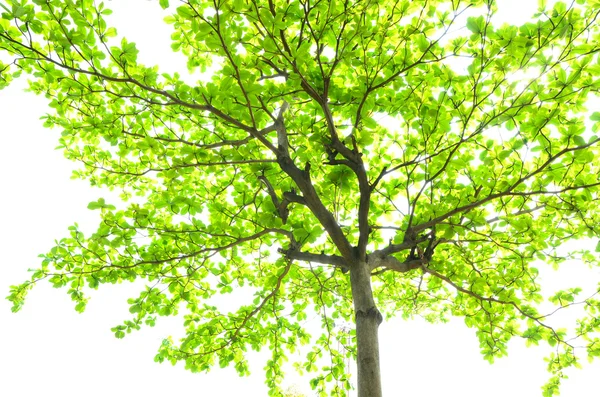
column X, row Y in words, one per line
column 173, row 99
column 281, row 206
column 510, row 190
column 237, row 241
column 282, row 138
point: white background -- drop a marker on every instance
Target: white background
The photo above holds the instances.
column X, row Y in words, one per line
column 47, row 349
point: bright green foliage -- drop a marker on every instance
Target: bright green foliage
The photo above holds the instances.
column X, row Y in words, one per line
column 446, row 153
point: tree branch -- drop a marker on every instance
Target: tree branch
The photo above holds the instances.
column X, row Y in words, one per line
column 408, row 243
column 282, row 139
column 393, row 263
column 280, row 206
column 174, row 99
column 536, row 319
column 333, row 260
column 509, row 190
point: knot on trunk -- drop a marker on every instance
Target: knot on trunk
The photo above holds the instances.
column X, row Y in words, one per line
column 371, row 312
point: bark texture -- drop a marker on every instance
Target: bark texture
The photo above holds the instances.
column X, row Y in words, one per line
column 368, row 319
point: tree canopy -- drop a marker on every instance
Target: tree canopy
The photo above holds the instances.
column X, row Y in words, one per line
column 354, row 159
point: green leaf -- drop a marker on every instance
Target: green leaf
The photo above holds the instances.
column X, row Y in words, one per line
column 475, row 24
column 579, row 141
column 100, row 204
column 80, row 306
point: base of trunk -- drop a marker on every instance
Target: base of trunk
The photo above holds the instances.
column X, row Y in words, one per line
column 368, row 319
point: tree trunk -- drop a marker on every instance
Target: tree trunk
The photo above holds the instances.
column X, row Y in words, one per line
column 368, row 319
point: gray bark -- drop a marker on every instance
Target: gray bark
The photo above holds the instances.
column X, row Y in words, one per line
column 368, row 319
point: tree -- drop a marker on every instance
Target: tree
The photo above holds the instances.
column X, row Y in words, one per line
column 338, row 160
